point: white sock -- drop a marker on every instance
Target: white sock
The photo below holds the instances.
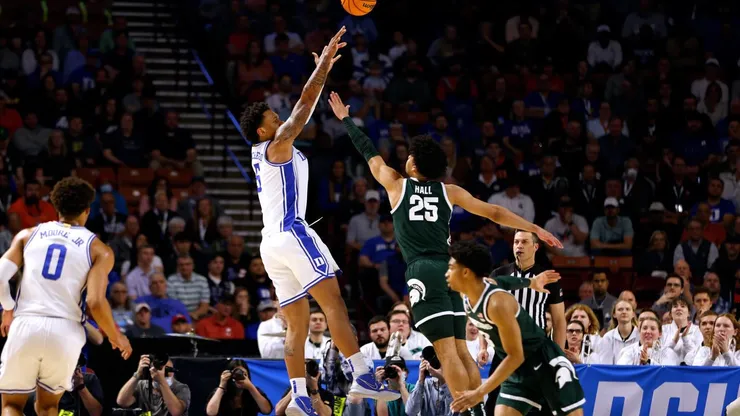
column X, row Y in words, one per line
column 358, row 364
column 298, row 387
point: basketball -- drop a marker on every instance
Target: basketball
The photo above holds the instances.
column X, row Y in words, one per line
column 358, row 7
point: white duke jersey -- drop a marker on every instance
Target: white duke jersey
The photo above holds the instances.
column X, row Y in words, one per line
column 56, row 261
column 282, row 189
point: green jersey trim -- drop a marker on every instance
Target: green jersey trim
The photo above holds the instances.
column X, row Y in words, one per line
column 400, row 198
column 444, row 191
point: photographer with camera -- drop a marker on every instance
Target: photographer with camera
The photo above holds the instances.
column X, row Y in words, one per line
column 153, row 388
column 431, row 395
column 85, row 399
column 395, row 374
column 322, row 400
column 236, row 395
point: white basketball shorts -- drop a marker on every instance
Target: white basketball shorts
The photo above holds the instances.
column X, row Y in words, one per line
column 296, row 260
column 40, row 351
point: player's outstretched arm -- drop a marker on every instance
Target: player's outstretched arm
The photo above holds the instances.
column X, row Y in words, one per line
column 502, row 309
column 498, row 214
column 384, row 174
column 537, row 283
column 303, row 109
column 97, row 283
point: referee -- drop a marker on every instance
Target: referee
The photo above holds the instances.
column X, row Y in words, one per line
column 535, row 303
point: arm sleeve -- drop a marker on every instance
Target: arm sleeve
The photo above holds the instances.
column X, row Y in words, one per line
column 556, row 293
column 511, row 282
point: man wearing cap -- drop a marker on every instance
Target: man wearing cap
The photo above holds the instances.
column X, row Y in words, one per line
column 376, row 254
column 163, row 308
column 181, row 325
column 271, row 335
column 221, row 325
column 711, row 74
column 604, row 53
column 365, row 226
column 142, row 327
column 570, row 228
column 611, row 234
column 266, row 310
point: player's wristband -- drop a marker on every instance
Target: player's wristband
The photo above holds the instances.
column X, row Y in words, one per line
column 361, row 142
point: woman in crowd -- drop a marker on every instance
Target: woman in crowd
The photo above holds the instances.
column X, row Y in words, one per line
column 159, row 184
column 658, row 257
column 244, row 312
column 55, row 161
column 706, row 326
column 578, row 347
column 203, row 225
column 648, row 351
column 586, row 316
column 120, row 305
column 253, row 73
column 721, row 349
column 236, row 395
column 622, row 332
column 675, row 333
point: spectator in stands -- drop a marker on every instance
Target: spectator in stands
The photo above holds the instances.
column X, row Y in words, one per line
column 122, row 244
column 159, row 184
column 524, row 49
column 431, row 394
column 216, row 283
column 237, row 394
column 570, row 228
column 616, row 144
column 254, row 72
column 366, row 225
column 197, row 192
column 163, row 308
column 719, row 351
column 512, row 198
column 698, row 252
column 414, row 341
column 584, row 314
column 599, row 126
column 674, row 286
column 727, row 264
column 731, row 189
column 126, row 147
column 257, row 281
column 447, row 46
column 221, row 325
column 110, row 223
column 203, row 225
column 176, row 149
column 266, row 310
column 410, row 90
column 31, row 139
column 54, row 161
column 120, row 305
column 154, row 222
column 31, row 208
column 286, row 63
column 706, row 322
column 172, row 397
column 678, row 193
column 719, row 206
column 137, row 279
column 11, row 49
column 10, row 119
column 118, row 60
column 714, row 232
column 143, row 327
column 711, row 76
column 657, row 260
column 711, row 104
column 132, row 101
column 481, row 349
column 611, row 234
column 29, row 60
column 622, row 332
column 637, row 190
column 107, row 38
column 271, row 333
column 675, row 334
column 316, row 342
column 602, row 300
column 373, row 254
column 714, row 289
column 225, row 227
column 189, row 288
column 487, row 182
column 578, row 349
column 379, row 331
column 644, row 352
column 604, row 53
column 180, row 325
column 245, row 312
column 585, row 291
column 295, row 43
column 236, row 259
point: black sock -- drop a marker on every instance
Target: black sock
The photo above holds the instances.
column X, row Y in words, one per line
column 479, row 409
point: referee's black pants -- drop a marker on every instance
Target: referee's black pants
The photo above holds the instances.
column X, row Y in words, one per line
column 492, row 396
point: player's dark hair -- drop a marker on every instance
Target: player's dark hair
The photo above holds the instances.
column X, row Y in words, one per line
column 251, row 120
column 376, row 320
column 429, row 157
column 474, row 256
column 72, row 196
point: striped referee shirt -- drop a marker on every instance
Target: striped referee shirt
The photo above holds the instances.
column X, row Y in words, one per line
column 535, row 303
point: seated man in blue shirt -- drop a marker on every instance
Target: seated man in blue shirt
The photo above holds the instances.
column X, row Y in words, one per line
column 163, row 308
column 612, row 234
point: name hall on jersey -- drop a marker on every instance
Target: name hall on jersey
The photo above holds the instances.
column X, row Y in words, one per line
column 424, row 190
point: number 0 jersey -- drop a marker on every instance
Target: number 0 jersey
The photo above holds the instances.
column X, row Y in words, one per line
column 56, row 261
column 282, row 189
column 421, row 219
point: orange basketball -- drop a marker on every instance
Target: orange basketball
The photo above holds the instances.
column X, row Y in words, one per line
column 358, row 7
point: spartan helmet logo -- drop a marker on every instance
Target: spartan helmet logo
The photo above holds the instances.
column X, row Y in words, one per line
column 565, row 372
column 417, row 291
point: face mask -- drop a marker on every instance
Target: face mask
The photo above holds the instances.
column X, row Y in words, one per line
column 169, row 382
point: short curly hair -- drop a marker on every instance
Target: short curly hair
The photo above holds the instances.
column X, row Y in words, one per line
column 251, row 120
column 472, row 255
column 72, row 196
column 429, row 157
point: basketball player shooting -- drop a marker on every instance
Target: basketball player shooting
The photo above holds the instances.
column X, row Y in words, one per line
column 422, row 207
column 64, row 268
column 295, row 258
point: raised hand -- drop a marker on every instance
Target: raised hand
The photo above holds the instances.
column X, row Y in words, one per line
column 337, row 106
column 466, row 400
column 543, row 279
column 122, row 344
column 548, row 238
column 331, row 49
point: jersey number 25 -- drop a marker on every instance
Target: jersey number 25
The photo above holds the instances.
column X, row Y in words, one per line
column 423, row 209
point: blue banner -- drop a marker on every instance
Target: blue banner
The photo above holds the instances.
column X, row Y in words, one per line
column 609, row 390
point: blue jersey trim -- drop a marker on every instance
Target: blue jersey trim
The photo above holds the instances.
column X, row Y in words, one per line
column 311, row 249
column 290, row 195
column 87, row 249
column 277, row 165
column 36, row 230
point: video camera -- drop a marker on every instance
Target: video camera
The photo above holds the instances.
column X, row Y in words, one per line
column 159, row 362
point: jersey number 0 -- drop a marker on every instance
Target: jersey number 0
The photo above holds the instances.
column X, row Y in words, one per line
column 423, row 209
column 54, row 262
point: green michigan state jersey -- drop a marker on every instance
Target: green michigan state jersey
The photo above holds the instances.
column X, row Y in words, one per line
column 532, row 335
column 421, row 219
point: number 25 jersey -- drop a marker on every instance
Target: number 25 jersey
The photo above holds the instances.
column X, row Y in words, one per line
column 421, row 220
column 56, row 261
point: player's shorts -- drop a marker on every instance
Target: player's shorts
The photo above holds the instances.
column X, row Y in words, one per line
column 438, row 311
column 296, row 260
column 40, row 351
column 551, row 378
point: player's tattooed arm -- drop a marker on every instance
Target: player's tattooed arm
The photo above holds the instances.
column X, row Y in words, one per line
column 289, row 351
column 303, row 109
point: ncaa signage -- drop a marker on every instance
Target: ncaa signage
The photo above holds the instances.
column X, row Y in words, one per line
column 658, row 391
